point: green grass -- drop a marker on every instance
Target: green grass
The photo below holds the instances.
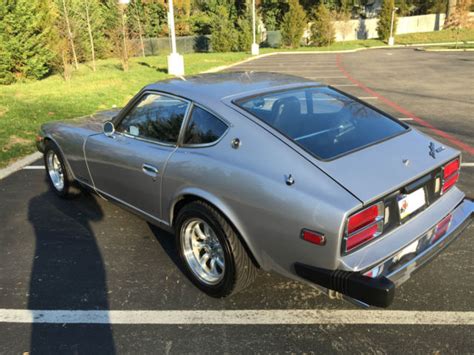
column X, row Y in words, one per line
column 337, row 46
column 435, row 37
column 25, row 106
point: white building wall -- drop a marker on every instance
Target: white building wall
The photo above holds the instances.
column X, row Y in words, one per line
column 367, row 28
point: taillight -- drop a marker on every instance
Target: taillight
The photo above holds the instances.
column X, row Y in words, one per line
column 450, row 174
column 441, row 228
column 364, row 226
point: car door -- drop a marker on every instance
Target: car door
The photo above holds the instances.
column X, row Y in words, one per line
column 128, row 165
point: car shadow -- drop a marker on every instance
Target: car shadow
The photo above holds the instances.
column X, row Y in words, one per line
column 168, row 244
column 68, row 273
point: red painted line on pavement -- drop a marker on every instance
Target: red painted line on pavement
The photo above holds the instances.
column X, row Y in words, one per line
column 466, row 147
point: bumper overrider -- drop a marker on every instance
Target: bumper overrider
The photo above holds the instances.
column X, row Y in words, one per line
column 379, row 291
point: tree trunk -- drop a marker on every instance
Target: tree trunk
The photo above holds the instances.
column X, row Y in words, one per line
column 125, row 49
column 451, row 8
column 69, row 34
column 141, row 36
column 91, row 38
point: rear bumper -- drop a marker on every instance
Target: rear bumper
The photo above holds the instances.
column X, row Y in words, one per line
column 379, row 289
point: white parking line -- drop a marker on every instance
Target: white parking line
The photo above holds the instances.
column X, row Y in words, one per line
column 367, row 97
column 242, row 317
column 467, row 165
column 405, row 119
column 34, row 167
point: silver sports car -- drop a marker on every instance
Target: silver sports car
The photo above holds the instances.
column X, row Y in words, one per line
column 270, row 171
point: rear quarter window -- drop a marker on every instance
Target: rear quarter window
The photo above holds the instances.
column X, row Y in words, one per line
column 323, row 121
column 203, row 127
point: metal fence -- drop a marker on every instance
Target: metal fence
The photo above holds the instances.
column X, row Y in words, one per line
column 184, row 44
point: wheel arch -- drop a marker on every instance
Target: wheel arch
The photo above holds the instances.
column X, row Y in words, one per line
column 196, row 195
column 66, row 161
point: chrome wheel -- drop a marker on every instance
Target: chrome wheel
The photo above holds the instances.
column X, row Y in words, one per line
column 55, row 170
column 203, row 251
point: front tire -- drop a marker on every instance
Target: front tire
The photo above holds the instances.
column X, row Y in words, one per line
column 59, row 177
column 214, row 258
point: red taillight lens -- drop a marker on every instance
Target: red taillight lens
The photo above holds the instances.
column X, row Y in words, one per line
column 313, row 237
column 450, row 174
column 361, row 237
column 362, row 219
column 364, row 226
column 441, row 228
column 451, row 168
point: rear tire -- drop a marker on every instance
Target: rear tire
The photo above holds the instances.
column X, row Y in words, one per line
column 59, row 177
column 210, row 249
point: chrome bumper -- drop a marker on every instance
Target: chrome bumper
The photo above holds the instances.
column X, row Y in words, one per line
column 376, row 285
column 399, row 267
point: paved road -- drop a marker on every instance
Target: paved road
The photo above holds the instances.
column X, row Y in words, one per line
column 88, row 254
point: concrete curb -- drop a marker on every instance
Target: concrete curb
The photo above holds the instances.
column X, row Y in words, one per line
column 19, row 164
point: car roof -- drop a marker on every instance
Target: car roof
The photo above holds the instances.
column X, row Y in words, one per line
column 217, row 86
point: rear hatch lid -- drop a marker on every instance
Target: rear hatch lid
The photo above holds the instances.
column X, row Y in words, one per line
column 377, row 170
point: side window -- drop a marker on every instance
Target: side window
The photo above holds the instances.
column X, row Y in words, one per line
column 203, row 127
column 155, row 117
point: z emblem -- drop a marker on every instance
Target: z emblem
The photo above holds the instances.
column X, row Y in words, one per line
column 434, row 150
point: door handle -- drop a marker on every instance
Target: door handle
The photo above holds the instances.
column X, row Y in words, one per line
column 150, row 170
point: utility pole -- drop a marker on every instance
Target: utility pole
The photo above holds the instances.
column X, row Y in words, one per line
column 391, row 39
column 175, row 60
column 255, row 46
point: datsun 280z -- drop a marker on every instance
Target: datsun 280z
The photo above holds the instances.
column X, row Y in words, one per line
column 270, row 171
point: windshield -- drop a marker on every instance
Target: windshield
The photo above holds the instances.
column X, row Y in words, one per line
column 322, row 120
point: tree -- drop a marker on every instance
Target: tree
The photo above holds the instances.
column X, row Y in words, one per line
column 67, row 25
column 224, row 35
column 272, row 13
column 26, row 37
column 385, row 20
column 244, row 34
column 458, row 16
column 293, row 25
column 322, row 29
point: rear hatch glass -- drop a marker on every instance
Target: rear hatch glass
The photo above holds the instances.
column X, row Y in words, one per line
column 322, row 120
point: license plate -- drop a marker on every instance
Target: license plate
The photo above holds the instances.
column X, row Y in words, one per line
column 410, row 203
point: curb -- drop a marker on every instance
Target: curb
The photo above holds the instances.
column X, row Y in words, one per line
column 19, row 164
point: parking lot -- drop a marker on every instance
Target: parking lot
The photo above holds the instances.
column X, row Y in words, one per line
column 89, row 255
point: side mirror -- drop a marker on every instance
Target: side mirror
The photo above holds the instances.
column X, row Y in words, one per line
column 109, row 128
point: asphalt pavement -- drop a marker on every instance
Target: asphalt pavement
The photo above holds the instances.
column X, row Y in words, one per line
column 88, row 254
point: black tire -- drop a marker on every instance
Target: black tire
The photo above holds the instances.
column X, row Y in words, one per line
column 240, row 270
column 70, row 188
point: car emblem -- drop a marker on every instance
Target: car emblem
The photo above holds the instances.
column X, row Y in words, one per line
column 434, row 150
column 406, row 162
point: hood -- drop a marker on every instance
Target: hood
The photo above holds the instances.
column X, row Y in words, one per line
column 377, row 170
column 92, row 122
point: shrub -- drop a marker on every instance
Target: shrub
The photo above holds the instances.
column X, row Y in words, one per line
column 244, row 36
column 224, row 36
column 293, row 25
column 25, row 36
column 322, row 29
column 385, row 18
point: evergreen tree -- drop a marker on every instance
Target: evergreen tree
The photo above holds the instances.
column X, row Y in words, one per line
column 322, row 29
column 26, row 33
column 385, row 19
column 294, row 23
column 224, row 35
